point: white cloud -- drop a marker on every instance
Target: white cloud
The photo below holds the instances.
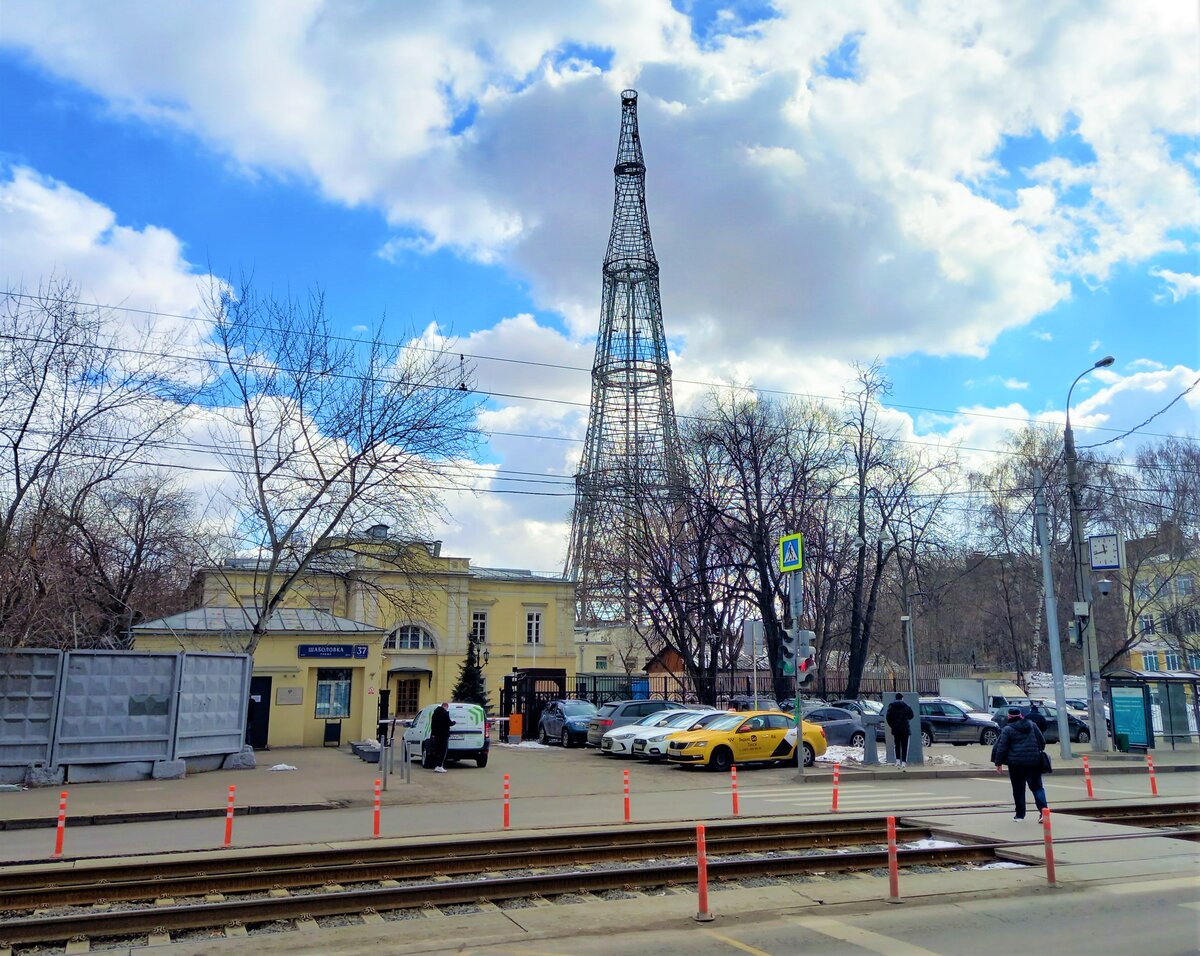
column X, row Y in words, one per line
column 868, row 215
column 1015, row 384
column 1144, row 363
column 1042, row 336
column 1179, row 285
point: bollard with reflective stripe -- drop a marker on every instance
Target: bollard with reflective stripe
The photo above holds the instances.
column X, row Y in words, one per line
column 229, row 817
column 1153, row 781
column 702, row 913
column 626, row 776
column 893, row 863
column 1049, row 846
column 376, row 830
column 60, row 833
column 837, row 770
column 506, row 801
column 733, row 781
column 1087, row 778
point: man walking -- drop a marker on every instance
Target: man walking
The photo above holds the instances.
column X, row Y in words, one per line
column 1036, row 717
column 439, row 730
column 898, row 716
column 1020, row 745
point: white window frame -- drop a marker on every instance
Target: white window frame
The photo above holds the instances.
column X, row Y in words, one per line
column 1146, row 624
column 479, row 626
column 1174, row 661
column 533, row 627
column 423, row 639
column 1150, row 661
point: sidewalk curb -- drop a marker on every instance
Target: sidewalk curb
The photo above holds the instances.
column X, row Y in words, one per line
column 951, row 772
column 153, row 816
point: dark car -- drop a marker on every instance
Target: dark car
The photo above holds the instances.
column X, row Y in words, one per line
column 740, row 702
column 621, row 713
column 1078, row 729
column 842, row 727
column 565, row 721
column 945, row 722
column 862, row 707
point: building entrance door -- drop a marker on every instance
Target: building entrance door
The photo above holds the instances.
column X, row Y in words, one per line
column 258, row 714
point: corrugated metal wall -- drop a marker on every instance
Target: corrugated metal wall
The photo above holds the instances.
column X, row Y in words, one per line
column 28, row 698
column 214, row 692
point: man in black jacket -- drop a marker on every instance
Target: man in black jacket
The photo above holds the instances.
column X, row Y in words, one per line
column 1037, row 718
column 439, row 731
column 898, row 716
column 1020, row 745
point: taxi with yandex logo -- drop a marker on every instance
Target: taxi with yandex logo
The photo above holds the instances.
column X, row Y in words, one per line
column 757, row 736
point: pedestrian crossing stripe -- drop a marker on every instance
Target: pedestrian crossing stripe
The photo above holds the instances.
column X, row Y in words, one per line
column 765, row 791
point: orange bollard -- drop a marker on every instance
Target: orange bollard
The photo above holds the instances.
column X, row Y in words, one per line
column 837, row 770
column 506, row 801
column 893, row 864
column 626, row 776
column 1087, row 778
column 702, row 913
column 229, row 816
column 378, row 784
column 1049, row 846
column 1153, row 781
column 733, row 780
column 62, row 824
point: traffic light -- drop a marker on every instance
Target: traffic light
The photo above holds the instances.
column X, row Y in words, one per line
column 787, row 653
column 806, row 654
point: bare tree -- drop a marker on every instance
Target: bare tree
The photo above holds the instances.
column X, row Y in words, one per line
column 327, row 438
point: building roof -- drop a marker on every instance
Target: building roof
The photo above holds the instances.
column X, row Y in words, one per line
column 518, row 574
column 225, row 619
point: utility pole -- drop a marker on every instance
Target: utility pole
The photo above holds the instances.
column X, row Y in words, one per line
column 1085, row 620
column 1056, row 664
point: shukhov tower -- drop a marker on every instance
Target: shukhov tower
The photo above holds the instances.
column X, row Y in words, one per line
column 631, row 454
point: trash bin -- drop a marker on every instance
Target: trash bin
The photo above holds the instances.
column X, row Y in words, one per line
column 516, row 726
column 1123, row 743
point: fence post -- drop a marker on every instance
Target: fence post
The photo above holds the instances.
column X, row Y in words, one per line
column 229, row 817
column 625, row 774
column 837, row 770
column 702, row 913
column 1153, row 781
column 506, row 801
column 378, row 783
column 62, row 825
column 1087, row 778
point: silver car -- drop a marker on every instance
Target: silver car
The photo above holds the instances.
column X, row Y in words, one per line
column 621, row 713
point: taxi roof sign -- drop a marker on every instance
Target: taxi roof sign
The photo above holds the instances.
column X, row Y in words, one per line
column 791, row 553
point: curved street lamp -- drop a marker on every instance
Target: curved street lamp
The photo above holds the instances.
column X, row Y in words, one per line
column 1083, row 580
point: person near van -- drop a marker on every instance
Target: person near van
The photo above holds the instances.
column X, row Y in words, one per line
column 439, row 729
column 1020, row 745
column 1036, row 717
column 898, row 716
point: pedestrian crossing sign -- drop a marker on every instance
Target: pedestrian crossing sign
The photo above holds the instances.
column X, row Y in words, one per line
column 791, row 553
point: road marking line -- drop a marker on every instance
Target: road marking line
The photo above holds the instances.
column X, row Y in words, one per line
column 864, row 938
column 737, row 945
column 1153, row 886
column 1079, row 788
column 1191, row 906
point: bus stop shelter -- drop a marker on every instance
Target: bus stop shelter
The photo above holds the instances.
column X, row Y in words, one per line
column 1150, row 708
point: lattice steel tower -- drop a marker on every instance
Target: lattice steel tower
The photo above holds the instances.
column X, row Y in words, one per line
column 631, row 453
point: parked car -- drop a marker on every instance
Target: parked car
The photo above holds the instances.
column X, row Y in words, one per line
column 618, row 742
column 757, row 736
column 815, row 743
column 862, row 706
column 740, row 702
column 651, row 742
column 621, row 713
column 943, row 721
column 1080, row 706
column 842, row 727
column 788, row 704
column 468, row 735
column 1078, row 729
column 565, row 721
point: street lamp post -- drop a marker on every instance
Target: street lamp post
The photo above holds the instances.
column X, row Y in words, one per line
column 909, row 644
column 1083, row 580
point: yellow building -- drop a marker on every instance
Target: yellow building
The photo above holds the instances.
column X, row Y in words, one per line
column 405, row 614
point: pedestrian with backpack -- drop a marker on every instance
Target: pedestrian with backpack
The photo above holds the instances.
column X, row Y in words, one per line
column 1022, row 747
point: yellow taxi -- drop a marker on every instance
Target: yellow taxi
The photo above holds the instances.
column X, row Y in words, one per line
column 757, row 736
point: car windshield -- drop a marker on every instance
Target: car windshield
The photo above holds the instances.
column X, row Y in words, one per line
column 728, row 722
column 678, row 719
column 963, row 704
column 578, row 708
column 871, row 706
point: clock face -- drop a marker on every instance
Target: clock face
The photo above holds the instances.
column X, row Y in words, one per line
column 1105, row 551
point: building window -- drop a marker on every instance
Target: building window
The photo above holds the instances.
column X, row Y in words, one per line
column 333, row 692
column 1150, row 660
column 479, row 626
column 601, row 662
column 1174, row 662
column 533, row 627
column 1185, row 584
column 409, row 638
column 1194, row 660
column 1147, row 623
column 1190, row 619
column 1141, row 590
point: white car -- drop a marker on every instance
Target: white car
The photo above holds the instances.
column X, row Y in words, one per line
column 651, row 742
column 618, row 742
column 469, row 738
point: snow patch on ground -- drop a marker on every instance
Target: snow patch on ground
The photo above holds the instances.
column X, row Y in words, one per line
column 1001, row 865
column 282, row 766
column 846, row 755
column 944, row 760
column 930, row 843
column 524, row 745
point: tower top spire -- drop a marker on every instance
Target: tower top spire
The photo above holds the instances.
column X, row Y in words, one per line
column 629, row 243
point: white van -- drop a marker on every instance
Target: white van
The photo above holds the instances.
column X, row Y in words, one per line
column 468, row 735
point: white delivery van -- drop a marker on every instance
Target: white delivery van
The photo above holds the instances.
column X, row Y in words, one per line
column 468, row 735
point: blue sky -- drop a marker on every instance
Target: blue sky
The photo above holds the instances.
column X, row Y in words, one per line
column 986, row 201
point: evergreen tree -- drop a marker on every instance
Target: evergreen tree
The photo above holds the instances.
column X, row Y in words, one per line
column 470, row 689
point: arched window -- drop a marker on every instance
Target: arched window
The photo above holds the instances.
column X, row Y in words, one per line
column 409, row 638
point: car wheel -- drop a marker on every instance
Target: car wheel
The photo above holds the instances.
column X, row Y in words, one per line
column 989, row 737
column 721, row 760
column 858, row 739
column 565, row 740
column 810, row 755
column 426, row 758
column 1083, row 736
column 926, row 738
column 481, row 761
column 543, row 737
